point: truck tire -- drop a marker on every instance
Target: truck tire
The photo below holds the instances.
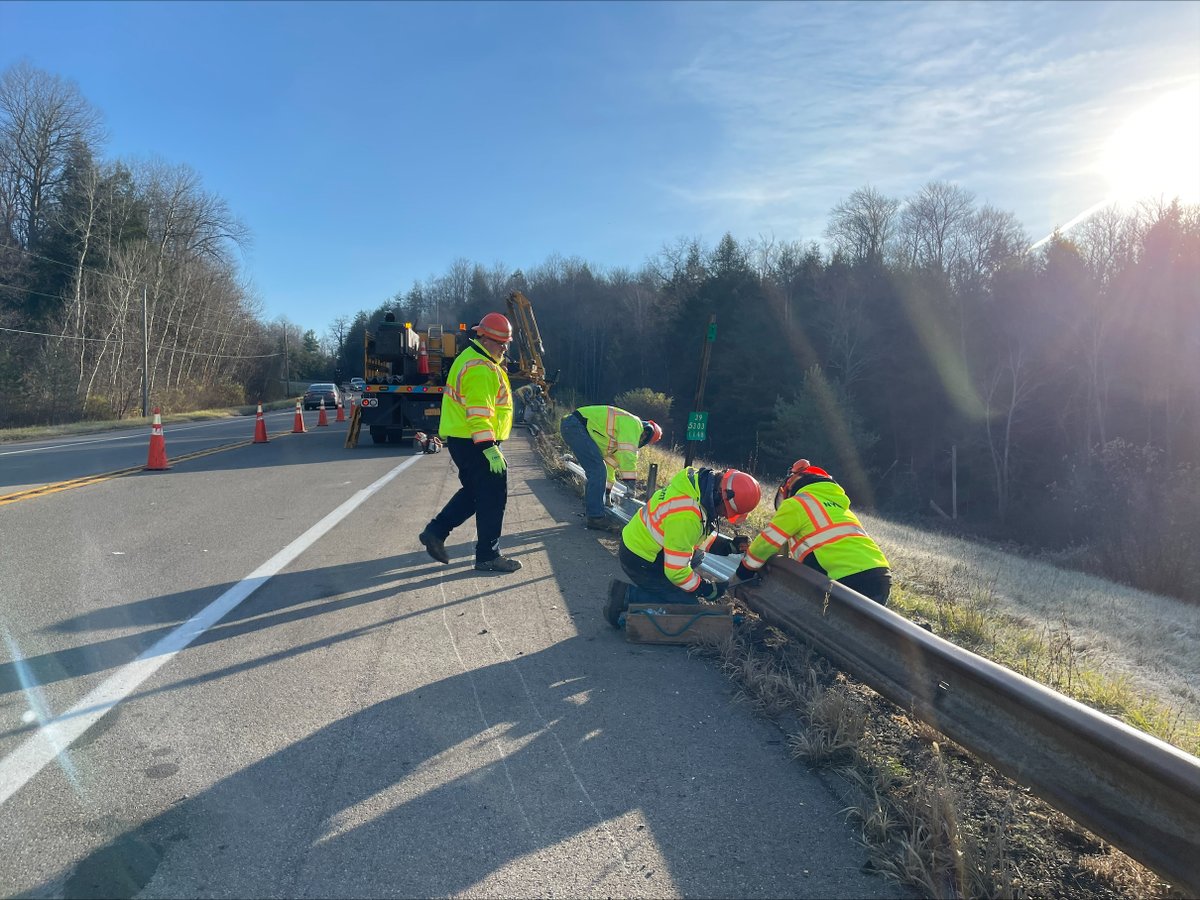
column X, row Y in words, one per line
column 378, row 435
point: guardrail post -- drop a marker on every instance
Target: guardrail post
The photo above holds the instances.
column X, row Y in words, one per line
column 652, row 480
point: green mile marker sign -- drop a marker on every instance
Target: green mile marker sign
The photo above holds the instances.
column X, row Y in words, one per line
column 697, row 426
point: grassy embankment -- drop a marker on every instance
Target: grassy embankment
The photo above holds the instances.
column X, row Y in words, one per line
column 35, row 432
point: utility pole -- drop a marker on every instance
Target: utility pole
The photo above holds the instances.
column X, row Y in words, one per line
column 697, row 426
column 287, row 367
column 145, row 355
column 954, row 481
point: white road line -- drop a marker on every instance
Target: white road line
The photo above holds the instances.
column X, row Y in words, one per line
column 57, row 734
column 131, row 434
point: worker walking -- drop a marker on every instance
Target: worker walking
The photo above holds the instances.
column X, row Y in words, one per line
column 477, row 414
column 657, row 544
column 813, row 520
column 606, row 440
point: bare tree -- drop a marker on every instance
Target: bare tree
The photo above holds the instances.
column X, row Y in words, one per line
column 863, row 225
column 1008, row 391
column 42, row 119
column 932, row 224
column 335, row 336
column 1108, row 241
column 988, row 240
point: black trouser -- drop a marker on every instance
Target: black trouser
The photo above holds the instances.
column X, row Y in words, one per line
column 650, row 581
column 875, row 584
column 483, row 495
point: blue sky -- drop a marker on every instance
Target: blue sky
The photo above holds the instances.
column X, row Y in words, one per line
column 367, row 145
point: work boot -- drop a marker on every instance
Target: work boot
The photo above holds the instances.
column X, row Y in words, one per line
column 434, row 546
column 599, row 523
column 616, row 605
column 498, row 564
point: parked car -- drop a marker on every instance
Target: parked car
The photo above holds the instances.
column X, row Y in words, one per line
column 357, row 384
column 322, row 391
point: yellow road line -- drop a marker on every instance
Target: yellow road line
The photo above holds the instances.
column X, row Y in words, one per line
column 58, row 486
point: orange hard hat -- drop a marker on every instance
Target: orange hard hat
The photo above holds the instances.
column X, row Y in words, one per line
column 738, row 495
column 651, row 433
column 801, row 473
column 496, row 327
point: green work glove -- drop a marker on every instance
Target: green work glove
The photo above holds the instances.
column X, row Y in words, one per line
column 495, row 458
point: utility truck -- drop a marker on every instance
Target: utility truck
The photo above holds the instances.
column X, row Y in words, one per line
column 405, row 371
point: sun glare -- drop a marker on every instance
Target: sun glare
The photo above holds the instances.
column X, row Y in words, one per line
column 1156, row 152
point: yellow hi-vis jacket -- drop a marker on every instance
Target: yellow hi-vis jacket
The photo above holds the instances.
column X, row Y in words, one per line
column 478, row 399
column 617, row 433
column 673, row 521
column 817, row 520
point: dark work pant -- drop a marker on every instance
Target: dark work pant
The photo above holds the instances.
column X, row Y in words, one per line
column 650, row 582
column 874, row 584
column 576, row 436
column 482, row 495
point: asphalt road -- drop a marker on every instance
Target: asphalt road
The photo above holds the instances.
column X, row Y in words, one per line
column 31, row 464
column 244, row 677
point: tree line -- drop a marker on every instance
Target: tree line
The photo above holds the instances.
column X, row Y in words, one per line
column 930, row 359
column 926, row 355
column 111, row 270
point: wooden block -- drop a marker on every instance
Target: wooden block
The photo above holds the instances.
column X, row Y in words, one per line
column 677, row 623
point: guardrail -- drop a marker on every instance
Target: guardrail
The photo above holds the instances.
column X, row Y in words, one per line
column 1133, row 790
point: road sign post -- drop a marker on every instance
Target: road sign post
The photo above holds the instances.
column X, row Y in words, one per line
column 697, row 416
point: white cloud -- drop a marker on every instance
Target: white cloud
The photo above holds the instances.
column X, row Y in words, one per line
column 1011, row 100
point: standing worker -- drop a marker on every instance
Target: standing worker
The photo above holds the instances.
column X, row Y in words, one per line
column 813, row 519
column 657, row 544
column 477, row 415
column 605, row 440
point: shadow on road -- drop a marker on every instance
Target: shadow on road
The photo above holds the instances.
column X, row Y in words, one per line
column 580, row 769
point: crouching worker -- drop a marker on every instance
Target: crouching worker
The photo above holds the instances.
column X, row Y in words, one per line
column 657, row 544
column 606, row 440
column 813, row 520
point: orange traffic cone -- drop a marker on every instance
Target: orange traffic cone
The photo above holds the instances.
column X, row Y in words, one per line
column 322, row 419
column 157, row 460
column 298, row 427
column 260, row 428
column 341, row 416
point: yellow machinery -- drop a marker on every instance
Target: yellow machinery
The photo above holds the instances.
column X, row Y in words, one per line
column 405, row 371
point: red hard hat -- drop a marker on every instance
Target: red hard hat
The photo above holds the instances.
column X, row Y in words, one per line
column 496, row 327
column 738, row 495
column 651, row 433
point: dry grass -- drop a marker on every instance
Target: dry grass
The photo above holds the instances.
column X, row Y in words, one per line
column 929, row 815
column 1125, row 652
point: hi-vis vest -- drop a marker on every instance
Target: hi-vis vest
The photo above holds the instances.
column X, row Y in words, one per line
column 617, row 433
column 674, row 522
column 817, row 520
column 478, row 399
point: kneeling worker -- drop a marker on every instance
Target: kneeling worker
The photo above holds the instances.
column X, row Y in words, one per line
column 605, row 440
column 813, row 520
column 657, row 544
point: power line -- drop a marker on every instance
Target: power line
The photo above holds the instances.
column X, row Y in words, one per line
column 122, row 341
column 164, row 317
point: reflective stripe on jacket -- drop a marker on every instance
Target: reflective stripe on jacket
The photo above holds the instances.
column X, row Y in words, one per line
column 817, row 520
column 478, row 399
column 672, row 521
column 617, row 433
